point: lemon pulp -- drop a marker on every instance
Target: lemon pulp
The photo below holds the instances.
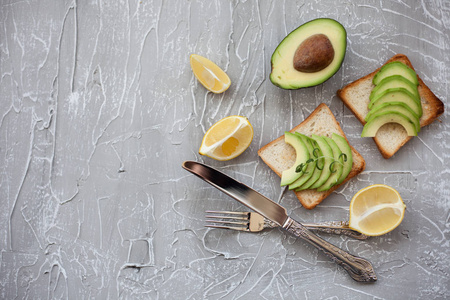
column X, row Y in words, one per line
column 209, row 74
column 376, row 210
column 227, row 139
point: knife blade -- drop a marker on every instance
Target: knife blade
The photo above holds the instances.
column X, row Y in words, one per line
column 358, row 268
column 247, row 196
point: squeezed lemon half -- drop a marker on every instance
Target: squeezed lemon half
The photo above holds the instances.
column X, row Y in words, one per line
column 227, row 138
column 376, row 210
column 209, row 74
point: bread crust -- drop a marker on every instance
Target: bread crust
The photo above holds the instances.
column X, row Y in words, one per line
column 433, row 107
column 311, row 198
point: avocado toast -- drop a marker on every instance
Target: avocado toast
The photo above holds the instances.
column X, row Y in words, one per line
column 390, row 137
column 280, row 156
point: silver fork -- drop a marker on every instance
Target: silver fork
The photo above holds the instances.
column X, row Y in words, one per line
column 254, row 222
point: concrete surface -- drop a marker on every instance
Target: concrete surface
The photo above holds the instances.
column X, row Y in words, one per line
column 99, row 108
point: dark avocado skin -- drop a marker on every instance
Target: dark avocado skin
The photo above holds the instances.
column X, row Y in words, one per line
column 285, row 76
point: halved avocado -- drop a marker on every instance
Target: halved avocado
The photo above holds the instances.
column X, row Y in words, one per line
column 398, row 95
column 309, row 168
column 309, row 55
column 342, row 143
column 396, row 68
column 290, row 175
column 378, row 120
column 398, row 107
column 327, row 152
column 336, row 167
column 394, row 81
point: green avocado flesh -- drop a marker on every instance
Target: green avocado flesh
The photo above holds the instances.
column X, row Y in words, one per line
column 341, row 142
column 396, row 68
column 378, row 120
column 285, row 76
column 302, row 155
column 318, row 166
column 398, row 95
column 394, row 81
column 308, row 170
column 395, row 107
column 336, row 168
column 327, row 152
column 395, row 99
column 326, row 162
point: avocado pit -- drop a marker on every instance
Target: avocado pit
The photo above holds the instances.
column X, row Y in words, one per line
column 313, row 54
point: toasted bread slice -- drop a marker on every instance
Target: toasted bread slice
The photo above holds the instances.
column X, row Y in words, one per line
column 391, row 137
column 280, row 156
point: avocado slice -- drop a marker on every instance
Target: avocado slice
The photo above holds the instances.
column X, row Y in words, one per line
column 395, row 81
column 290, row 175
column 309, row 168
column 318, row 166
column 342, row 143
column 378, row 120
column 325, row 162
column 398, row 95
column 396, row 68
column 284, row 73
column 398, row 107
column 336, row 167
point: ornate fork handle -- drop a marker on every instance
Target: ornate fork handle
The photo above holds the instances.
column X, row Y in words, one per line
column 358, row 268
column 336, row 227
column 331, row 227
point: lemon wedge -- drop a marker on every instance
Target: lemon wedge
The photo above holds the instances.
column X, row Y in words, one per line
column 227, row 138
column 209, row 74
column 376, row 210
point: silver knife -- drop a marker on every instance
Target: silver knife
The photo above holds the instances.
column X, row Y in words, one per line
column 358, row 268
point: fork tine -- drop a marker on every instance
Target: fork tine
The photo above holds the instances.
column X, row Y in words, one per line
column 227, row 227
column 224, row 212
column 226, row 217
column 228, row 222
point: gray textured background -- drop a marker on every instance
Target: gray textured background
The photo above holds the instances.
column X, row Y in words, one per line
column 99, row 108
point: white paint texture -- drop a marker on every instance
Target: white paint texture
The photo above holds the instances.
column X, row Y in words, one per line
column 99, row 108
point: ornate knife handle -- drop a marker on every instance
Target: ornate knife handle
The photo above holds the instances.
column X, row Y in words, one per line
column 336, row 227
column 358, row 268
